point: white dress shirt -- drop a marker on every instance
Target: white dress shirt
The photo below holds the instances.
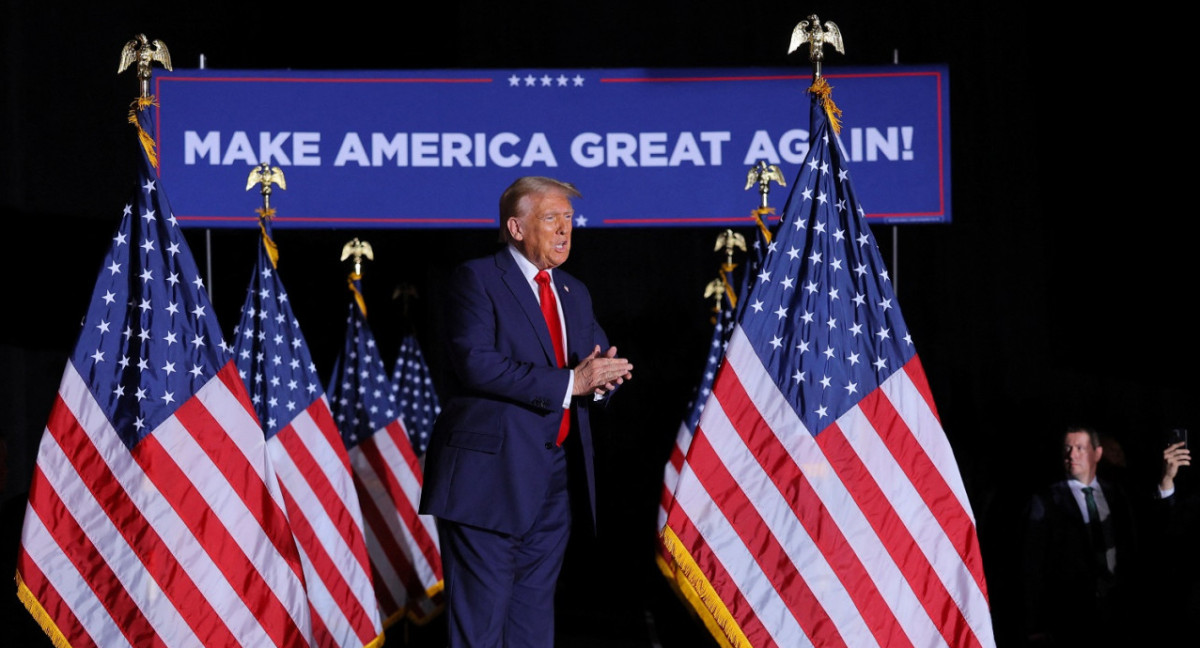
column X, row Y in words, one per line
column 530, row 272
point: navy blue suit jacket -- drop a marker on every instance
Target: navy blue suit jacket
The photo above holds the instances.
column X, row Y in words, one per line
column 489, row 458
column 1060, row 574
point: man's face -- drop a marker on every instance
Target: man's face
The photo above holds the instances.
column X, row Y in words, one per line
column 543, row 232
column 1080, row 456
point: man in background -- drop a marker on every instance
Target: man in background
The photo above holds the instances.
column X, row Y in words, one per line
column 1079, row 553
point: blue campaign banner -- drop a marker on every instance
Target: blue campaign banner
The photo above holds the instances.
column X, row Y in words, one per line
column 435, row 148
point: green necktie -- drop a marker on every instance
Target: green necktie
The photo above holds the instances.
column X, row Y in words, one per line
column 1095, row 529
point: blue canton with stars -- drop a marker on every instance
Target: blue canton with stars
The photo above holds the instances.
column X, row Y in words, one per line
column 822, row 315
column 360, row 393
column 413, row 385
column 150, row 339
column 725, row 319
column 271, row 354
column 716, row 352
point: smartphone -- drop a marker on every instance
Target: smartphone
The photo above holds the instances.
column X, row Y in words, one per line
column 1176, row 435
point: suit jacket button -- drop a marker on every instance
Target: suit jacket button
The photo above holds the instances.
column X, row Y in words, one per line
column 549, row 446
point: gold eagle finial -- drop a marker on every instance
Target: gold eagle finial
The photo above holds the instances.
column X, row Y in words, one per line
column 721, row 286
column 358, row 249
column 715, row 290
column 762, row 174
column 729, row 240
column 810, row 31
column 264, row 176
column 144, row 53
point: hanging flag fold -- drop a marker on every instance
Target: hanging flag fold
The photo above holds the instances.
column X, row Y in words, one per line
column 403, row 548
column 154, row 515
column 723, row 322
column 310, row 460
column 819, row 502
column 415, row 396
column 722, row 327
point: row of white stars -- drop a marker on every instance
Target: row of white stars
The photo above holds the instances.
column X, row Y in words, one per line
column 144, row 335
column 141, row 393
column 277, row 360
column 145, row 305
column 364, row 374
column 813, row 286
column 545, row 80
column 147, row 275
column 374, row 409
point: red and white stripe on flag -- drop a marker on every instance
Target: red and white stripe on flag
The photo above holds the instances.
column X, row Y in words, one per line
column 680, row 575
column 181, row 541
column 406, row 562
column 322, row 504
column 859, row 536
column 683, row 438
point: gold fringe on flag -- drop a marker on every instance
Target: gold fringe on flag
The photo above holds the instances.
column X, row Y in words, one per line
column 39, row 614
column 824, row 92
column 396, row 617
column 432, row 593
column 362, row 304
column 140, row 104
column 272, row 249
column 694, row 587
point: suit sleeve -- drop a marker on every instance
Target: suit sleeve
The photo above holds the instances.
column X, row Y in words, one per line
column 491, row 346
column 1033, row 564
column 583, row 341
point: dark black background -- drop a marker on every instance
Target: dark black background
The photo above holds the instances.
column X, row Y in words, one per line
column 1062, row 291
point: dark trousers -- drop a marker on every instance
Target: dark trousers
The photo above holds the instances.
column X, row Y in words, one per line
column 499, row 588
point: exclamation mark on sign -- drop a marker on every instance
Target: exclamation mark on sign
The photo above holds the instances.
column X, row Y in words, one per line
column 906, row 136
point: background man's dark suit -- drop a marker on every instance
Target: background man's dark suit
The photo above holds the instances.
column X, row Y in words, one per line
column 1068, row 598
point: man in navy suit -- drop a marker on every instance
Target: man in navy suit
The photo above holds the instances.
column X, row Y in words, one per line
column 1080, row 553
column 528, row 360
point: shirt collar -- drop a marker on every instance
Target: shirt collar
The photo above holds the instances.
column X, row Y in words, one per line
column 1075, row 484
column 528, row 270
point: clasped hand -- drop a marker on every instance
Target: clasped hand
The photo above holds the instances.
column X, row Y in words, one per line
column 600, row 373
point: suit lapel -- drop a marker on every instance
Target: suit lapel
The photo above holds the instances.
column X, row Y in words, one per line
column 1067, row 503
column 574, row 319
column 523, row 293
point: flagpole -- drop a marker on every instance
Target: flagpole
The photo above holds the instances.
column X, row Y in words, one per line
column 208, row 255
column 896, row 228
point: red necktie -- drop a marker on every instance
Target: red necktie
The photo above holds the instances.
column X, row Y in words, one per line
column 550, row 312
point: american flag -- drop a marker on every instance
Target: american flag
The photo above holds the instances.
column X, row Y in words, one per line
column 722, row 327
column 820, row 502
column 406, row 562
column 154, row 516
column 310, row 460
column 723, row 323
column 413, row 384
